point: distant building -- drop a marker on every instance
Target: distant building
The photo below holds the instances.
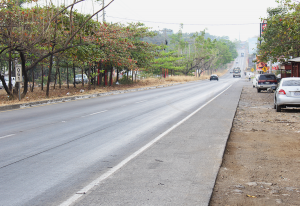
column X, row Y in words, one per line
column 252, row 45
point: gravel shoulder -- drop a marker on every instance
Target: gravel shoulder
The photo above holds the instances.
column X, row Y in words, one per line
column 262, row 157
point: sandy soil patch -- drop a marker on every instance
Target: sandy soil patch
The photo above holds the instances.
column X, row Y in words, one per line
column 262, row 157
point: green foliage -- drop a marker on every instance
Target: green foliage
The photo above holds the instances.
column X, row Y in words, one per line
column 280, row 40
column 124, row 80
column 39, row 80
column 195, row 52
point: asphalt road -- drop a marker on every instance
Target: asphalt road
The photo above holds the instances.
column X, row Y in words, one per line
column 50, row 153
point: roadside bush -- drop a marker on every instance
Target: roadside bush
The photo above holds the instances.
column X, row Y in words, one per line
column 124, row 80
column 39, row 80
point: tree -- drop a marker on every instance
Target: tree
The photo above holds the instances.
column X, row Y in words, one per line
column 280, row 40
column 63, row 29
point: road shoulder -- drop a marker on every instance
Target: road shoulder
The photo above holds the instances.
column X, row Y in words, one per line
column 181, row 168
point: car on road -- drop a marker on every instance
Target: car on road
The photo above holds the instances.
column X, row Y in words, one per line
column 214, row 77
column 254, row 81
column 287, row 93
column 78, row 78
column 266, row 81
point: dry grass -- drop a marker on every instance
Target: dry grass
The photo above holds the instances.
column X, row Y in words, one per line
column 39, row 95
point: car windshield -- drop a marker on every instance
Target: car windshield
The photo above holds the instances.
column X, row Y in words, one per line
column 291, row 82
column 78, row 76
column 6, row 78
column 267, row 77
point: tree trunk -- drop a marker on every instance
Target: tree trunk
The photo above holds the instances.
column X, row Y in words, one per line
column 95, row 78
column 89, row 77
column 74, row 75
column 100, row 78
column 24, row 72
column 117, row 75
column 68, row 75
column 111, row 75
column 82, row 81
column 32, row 76
column 100, row 75
column 49, row 74
column 9, row 71
column 55, row 78
column 5, row 86
column 42, row 86
column 59, row 76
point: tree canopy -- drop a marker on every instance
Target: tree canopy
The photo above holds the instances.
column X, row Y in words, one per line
column 280, row 39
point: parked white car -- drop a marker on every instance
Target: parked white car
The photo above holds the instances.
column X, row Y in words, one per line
column 6, row 78
column 78, row 78
column 287, row 93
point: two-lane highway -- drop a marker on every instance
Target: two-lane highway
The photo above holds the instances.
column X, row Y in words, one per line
column 48, row 153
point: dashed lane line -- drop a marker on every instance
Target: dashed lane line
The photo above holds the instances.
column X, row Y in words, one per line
column 7, row 136
column 95, row 113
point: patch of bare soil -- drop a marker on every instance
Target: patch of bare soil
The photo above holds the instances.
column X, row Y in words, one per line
column 262, row 158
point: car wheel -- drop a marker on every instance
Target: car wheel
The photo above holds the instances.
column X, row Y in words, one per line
column 253, row 86
column 278, row 108
column 258, row 90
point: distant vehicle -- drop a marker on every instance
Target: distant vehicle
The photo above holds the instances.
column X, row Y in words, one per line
column 287, row 93
column 266, row 81
column 255, row 80
column 6, row 78
column 242, row 54
column 214, row 77
column 78, row 79
column 237, row 72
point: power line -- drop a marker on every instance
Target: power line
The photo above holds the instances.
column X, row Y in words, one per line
column 184, row 24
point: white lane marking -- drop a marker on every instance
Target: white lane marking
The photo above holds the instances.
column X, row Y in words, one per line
column 95, row 113
column 141, row 101
column 7, row 136
column 97, row 181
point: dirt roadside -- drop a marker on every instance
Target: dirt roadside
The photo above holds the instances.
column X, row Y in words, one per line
column 262, row 158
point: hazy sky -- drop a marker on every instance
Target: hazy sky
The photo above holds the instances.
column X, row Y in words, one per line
column 233, row 18
column 238, row 19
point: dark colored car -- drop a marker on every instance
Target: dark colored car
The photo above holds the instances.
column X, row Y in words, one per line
column 214, row 77
column 266, row 81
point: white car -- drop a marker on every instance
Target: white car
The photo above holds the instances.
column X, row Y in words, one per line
column 78, row 78
column 287, row 93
